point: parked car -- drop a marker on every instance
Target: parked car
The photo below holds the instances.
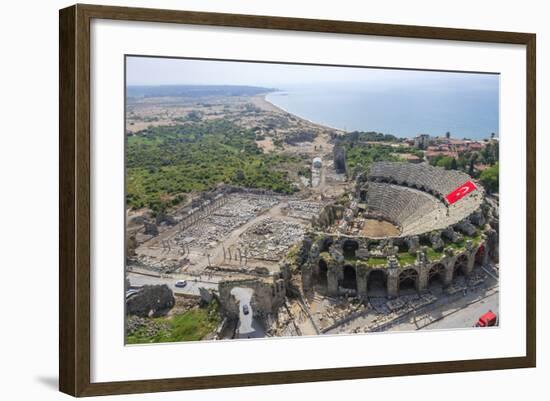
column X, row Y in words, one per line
column 246, row 310
column 181, row 283
column 487, row 320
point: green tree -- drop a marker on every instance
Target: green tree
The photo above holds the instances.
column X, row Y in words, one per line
column 453, row 164
column 473, row 160
column 489, row 178
column 446, row 162
column 239, row 175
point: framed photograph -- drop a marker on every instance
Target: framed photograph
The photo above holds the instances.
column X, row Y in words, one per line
column 249, row 200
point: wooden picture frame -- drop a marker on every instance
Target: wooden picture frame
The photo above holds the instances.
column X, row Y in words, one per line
column 74, row 202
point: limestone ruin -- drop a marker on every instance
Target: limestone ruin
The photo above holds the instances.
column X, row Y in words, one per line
column 315, row 264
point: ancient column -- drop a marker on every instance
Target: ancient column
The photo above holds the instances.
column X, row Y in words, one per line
column 361, row 272
column 492, row 244
column 392, row 267
column 423, row 269
column 485, row 260
column 471, row 254
column 423, row 275
column 332, row 279
column 306, row 276
column 393, row 284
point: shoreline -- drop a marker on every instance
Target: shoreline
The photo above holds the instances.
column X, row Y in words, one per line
column 270, row 106
column 273, row 107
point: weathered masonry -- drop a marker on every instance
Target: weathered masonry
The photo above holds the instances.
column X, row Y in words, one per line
column 436, row 241
column 267, row 295
column 362, row 267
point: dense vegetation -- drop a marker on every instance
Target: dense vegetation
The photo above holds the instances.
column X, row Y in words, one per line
column 370, row 136
column 360, row 157
column 365, row 155
column 489, row 178
column 163, row 163
column 361, row 152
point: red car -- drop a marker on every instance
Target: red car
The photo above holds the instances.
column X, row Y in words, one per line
column 487, row 320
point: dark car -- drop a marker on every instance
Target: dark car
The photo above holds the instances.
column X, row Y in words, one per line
column 246, row 311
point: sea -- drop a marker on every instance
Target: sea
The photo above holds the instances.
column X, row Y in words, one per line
column 466, row 105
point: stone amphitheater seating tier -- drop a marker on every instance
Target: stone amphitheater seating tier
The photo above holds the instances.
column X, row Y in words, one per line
column 431, row 179
column 415, row 211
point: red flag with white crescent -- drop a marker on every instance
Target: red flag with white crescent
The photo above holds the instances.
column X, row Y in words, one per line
column 460, row 192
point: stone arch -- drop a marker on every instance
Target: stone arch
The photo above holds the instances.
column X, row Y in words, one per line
column 408, row 279
column 325, row 244
column 424, row 240
column 322, row 276
column 436, row 274
column 349, row 277
column 480, row 255
column 402, row 245
column 377, row 281
column 349, row 247
column 461, row 266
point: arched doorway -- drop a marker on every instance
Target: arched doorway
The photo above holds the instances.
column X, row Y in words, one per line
column 460, row 267
column 323, row 272
column 349, row 248
column 407, row 280
column 377, row 283
column 480, row 255
column 402, row 245
column 436, row 275
column 350, row 278
column 327, row 242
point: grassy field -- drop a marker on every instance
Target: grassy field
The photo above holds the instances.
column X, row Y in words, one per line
column 375, row 261
column 192, row 325
column 406, row 258
column 434, row 255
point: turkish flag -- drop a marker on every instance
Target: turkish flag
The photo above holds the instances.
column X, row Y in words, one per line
column 460, row 192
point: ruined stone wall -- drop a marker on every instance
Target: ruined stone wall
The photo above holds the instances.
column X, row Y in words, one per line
column 328, row 216
column 335, row 260
column 268, row 295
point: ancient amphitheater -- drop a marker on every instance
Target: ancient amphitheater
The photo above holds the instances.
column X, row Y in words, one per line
column 412, row 196
column 431, row 241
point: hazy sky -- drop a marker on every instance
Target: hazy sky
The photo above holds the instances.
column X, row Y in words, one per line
column 166, row 71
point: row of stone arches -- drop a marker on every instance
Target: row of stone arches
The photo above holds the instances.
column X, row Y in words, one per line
column 377, row 279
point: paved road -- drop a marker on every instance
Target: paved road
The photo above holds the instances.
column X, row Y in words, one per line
column 192, row 287
column 467, row 316
column 248, row 327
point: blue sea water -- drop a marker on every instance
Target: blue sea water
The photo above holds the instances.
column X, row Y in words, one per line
column 467, row 105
